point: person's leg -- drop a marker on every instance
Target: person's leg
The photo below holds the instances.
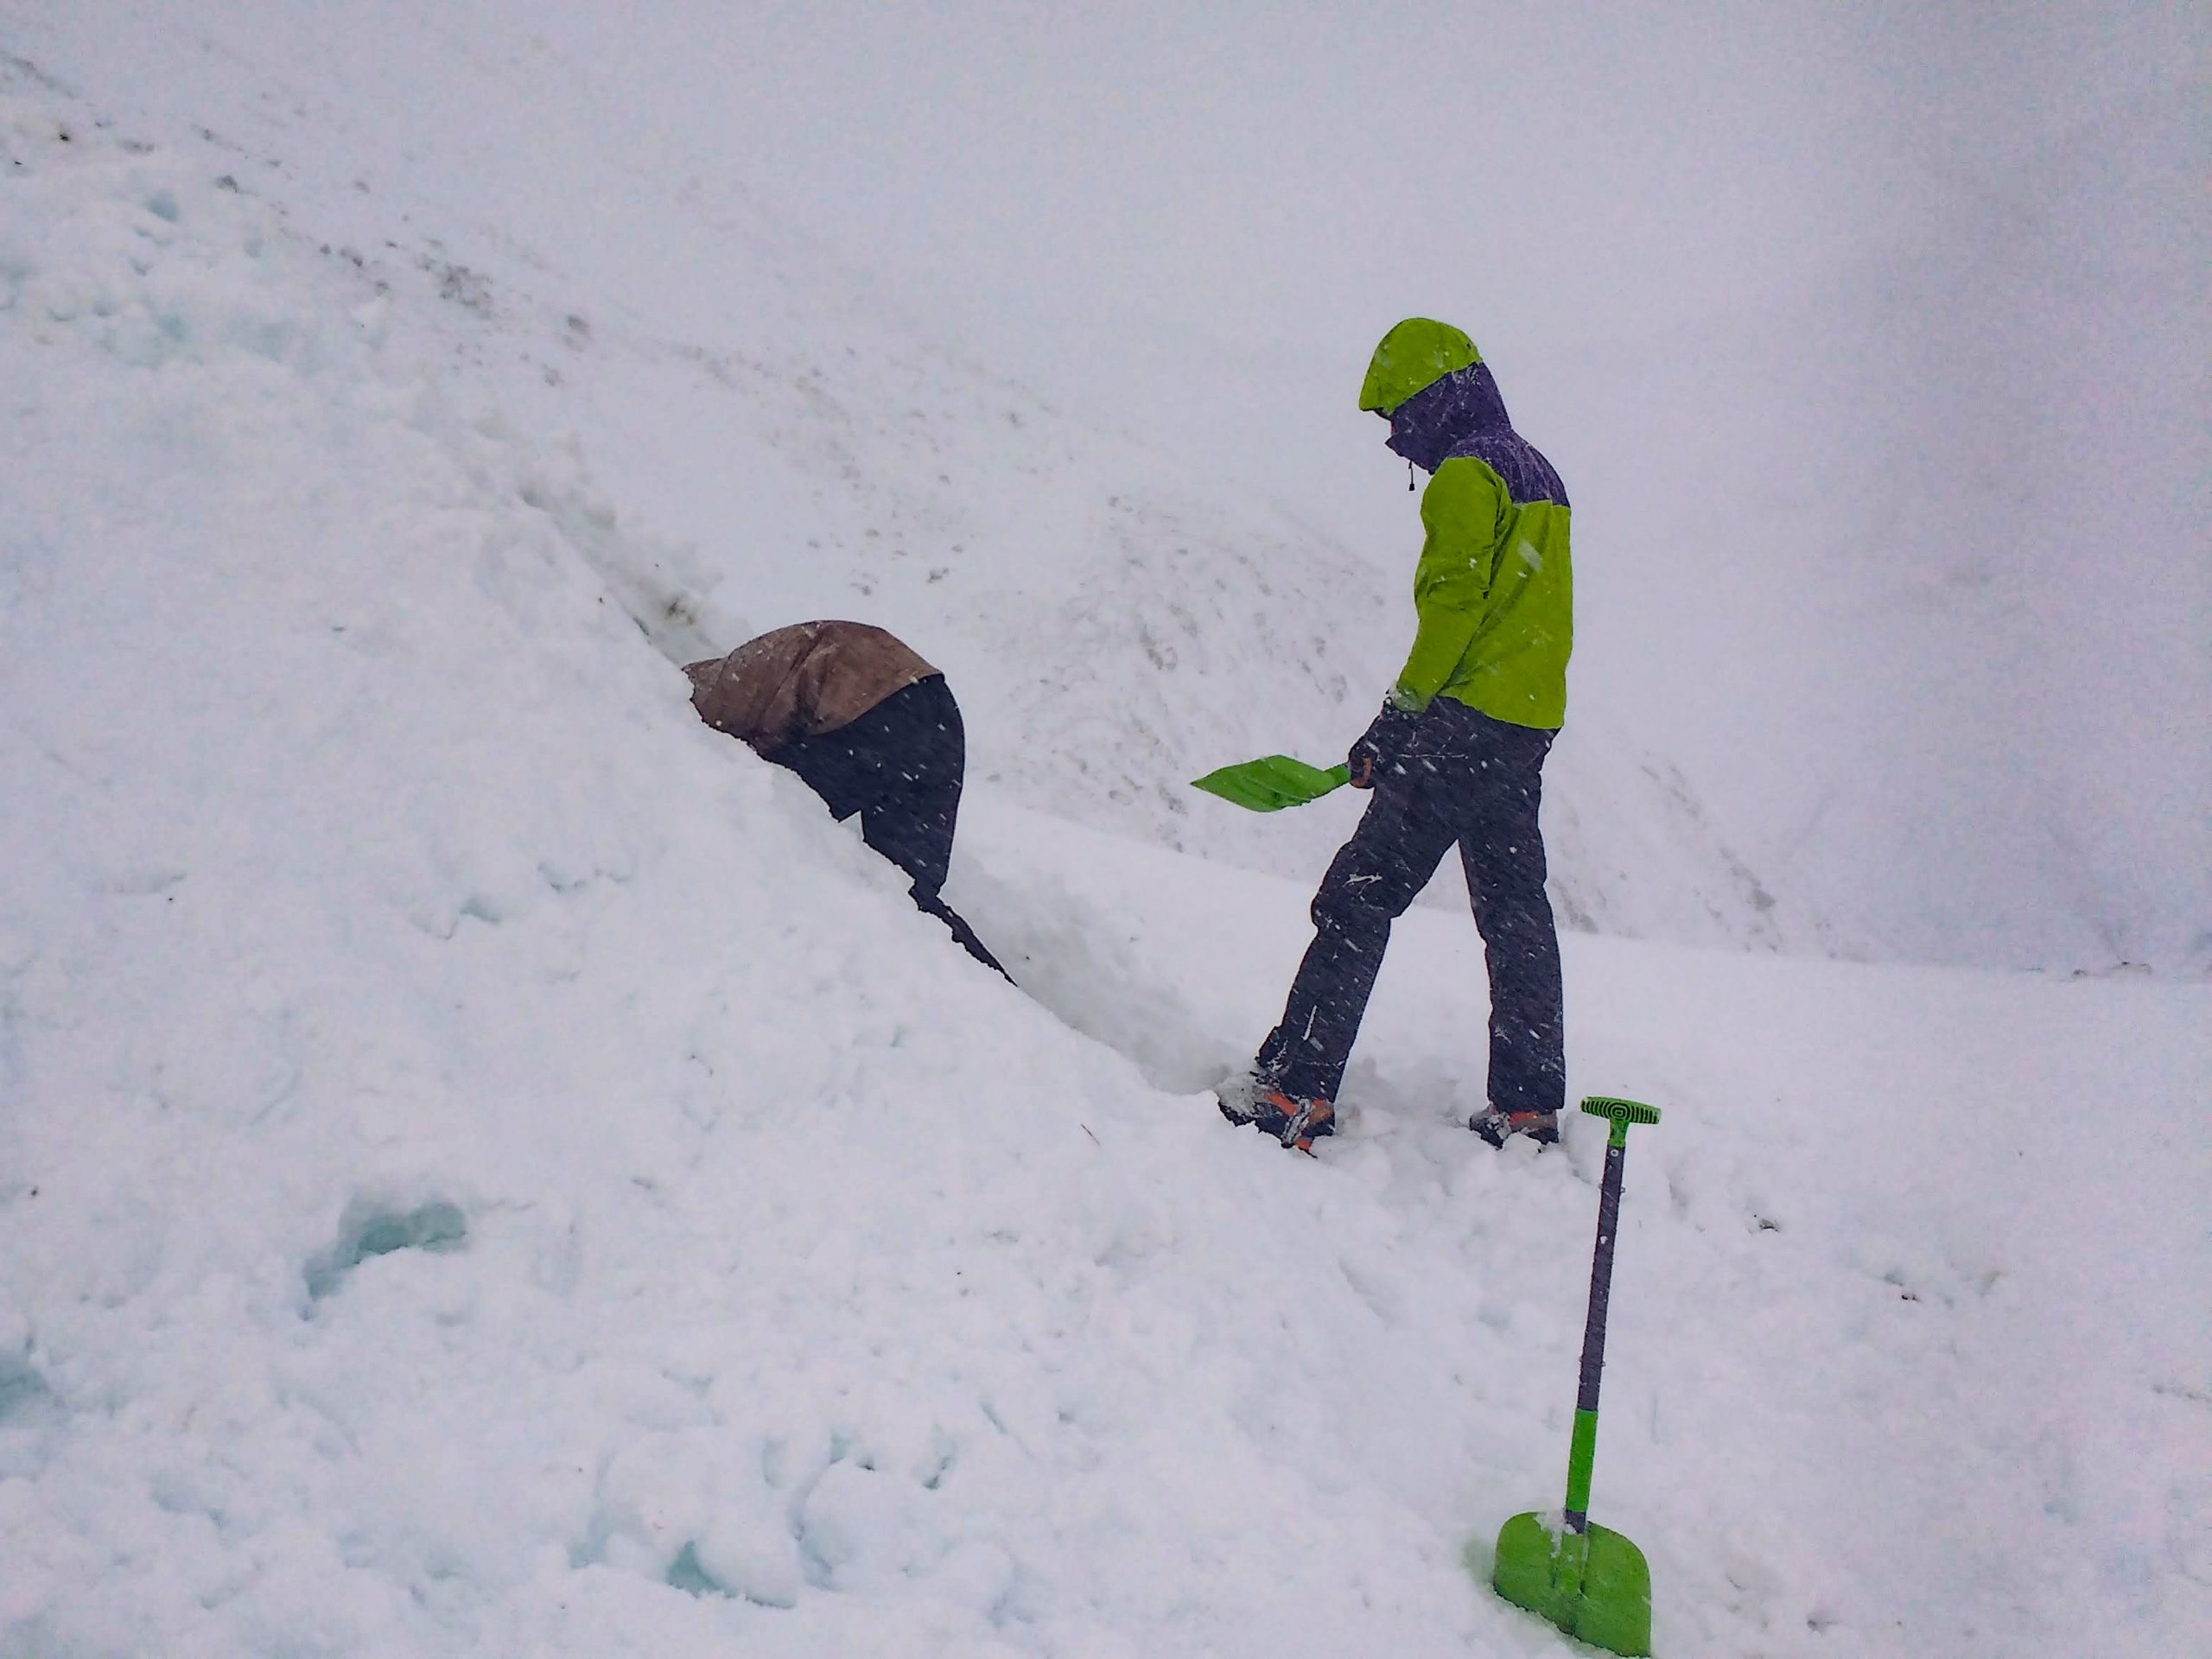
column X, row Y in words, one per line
column 844, row 767
column 1380, row 871
column 1502, row 849
column 933, row 904
column 924, row 758
column 911, row 821
column 898, row 765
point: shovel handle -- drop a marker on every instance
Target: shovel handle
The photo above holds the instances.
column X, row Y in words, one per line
column 1582, row 1453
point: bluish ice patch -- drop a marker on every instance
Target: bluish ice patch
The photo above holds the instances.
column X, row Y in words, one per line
column 368, row 1229
column 685, row 1573
column 23, row 1392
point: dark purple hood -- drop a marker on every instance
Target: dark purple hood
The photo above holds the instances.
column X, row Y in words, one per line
column 1439, row 418
column 1463, row 415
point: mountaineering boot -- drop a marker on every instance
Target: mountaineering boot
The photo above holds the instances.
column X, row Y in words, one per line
column 1495, row 1126
column 1302, row 1127
column 1244, row 1100
column 1249, row 1103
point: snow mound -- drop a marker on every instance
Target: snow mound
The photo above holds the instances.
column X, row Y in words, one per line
column 398, row 986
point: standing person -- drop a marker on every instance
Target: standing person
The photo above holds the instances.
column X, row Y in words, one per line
column 1455, row 757
column 869, row 726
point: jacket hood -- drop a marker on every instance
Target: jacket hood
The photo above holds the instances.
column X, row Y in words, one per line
column 1415, row 355
column 1434, row 422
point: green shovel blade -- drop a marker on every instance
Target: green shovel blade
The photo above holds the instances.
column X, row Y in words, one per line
column 1594, row 1586
column 1271, row 783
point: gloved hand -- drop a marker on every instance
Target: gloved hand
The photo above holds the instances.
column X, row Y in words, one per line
column 1382, row 746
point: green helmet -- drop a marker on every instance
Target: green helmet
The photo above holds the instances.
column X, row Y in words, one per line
column 1413, row 356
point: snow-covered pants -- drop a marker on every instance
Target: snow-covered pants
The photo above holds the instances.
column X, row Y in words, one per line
column 901, row 767
column 1466, row 780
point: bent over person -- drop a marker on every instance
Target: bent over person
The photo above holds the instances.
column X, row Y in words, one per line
column 869, row 726
column 1455, row 758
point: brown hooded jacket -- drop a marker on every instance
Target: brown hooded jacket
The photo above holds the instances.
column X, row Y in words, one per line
column 801, row 681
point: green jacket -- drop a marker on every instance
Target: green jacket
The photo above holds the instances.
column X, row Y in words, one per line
column 1494, row 593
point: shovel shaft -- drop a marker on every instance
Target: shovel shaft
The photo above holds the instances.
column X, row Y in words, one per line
column 1584, row 1451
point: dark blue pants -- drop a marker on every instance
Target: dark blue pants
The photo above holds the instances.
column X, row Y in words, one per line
column 900, row 766
column 1469, row 781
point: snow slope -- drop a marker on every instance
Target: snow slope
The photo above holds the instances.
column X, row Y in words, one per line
column 484, row 1168
column 711, row 246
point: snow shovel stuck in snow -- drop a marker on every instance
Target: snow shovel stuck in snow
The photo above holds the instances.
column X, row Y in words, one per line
column 1590, row 1581
column 1271, row 783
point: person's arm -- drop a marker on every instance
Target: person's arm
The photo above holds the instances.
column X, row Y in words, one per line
column 1463, row 513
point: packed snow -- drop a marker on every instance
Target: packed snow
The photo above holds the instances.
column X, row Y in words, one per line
column 486, row 1166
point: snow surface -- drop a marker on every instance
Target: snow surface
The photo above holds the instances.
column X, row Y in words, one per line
column 486, row 1168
